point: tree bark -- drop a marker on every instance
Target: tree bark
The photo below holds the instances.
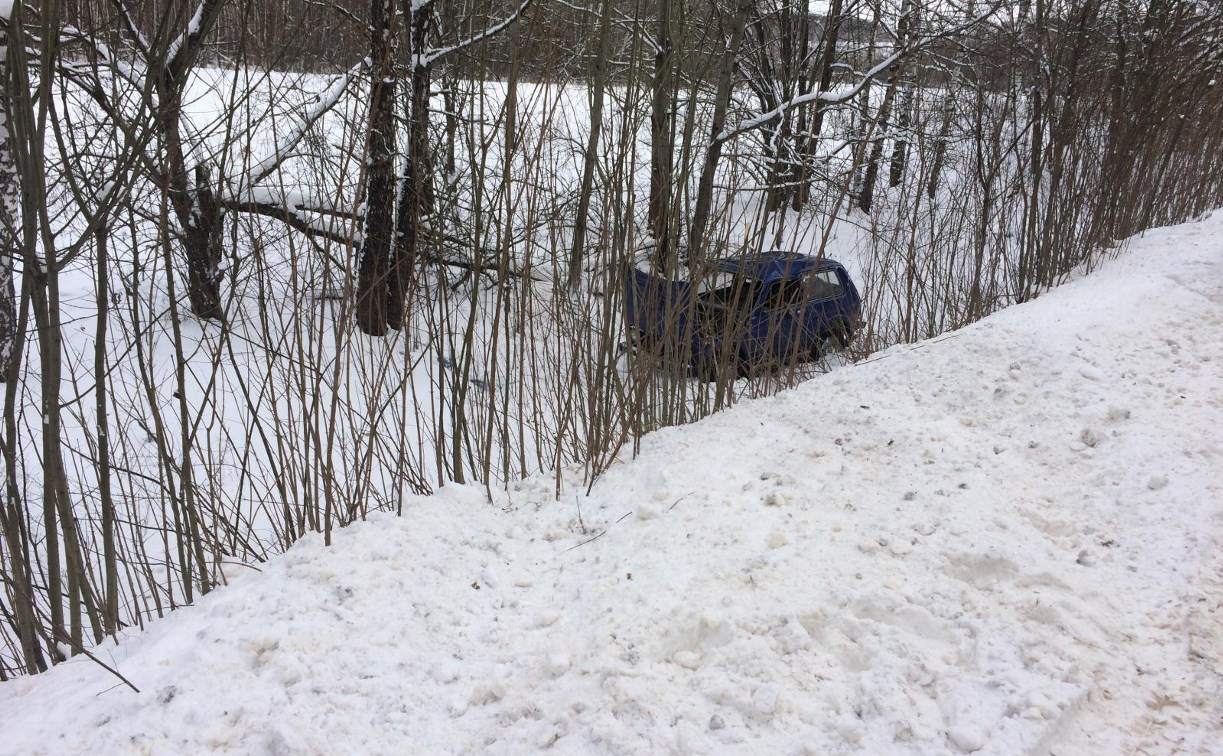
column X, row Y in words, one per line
column 195, row 206
column 20, row 586
column 823, row 80
column 900, row 148
column 940, row 146
column 599, row 89
column 726, row 80
column 110, row 565
column 10, row 214
column 416, row 197
column 374, row 262
column 866, row 196
column 662, row 146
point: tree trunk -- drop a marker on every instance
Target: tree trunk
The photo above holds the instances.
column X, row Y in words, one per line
column 10, row 219
column 900, row 147
column 110, row 613
column 726, row 80
column 866, row 196
column 373, row 267
column 784, row 170
column 599, row 90
column 418, row 139
column 662, row 116
column 940, row 146
column 200, row 217
column 1033, row 262
column 450, row 99
column 195, row 206
column 787, row 167
column 20, row 586
column 823, row 79
column 416, row 197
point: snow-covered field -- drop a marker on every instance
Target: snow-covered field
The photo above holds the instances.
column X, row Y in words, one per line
column 1008, row 539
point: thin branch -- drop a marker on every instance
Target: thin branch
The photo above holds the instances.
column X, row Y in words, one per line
column 323, row 103
column 142, row 44
column 130, row 74
column 836, row 98
column 291, row 217
column 601, row 533
column 183, row 46
column 338, row 9
column 432, row 56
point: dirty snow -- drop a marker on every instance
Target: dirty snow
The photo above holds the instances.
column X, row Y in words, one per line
column 1004, row 540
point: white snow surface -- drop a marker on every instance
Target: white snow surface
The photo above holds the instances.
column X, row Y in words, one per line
column 1004, row 540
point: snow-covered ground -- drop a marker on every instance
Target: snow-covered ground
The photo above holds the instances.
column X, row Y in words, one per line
column 1008, row 539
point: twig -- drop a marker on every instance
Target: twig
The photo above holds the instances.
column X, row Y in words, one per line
column 103, row 665
column 677, row 501
column 600, row 535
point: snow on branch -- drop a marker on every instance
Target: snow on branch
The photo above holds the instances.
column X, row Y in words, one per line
column 845, row 95
column 322, row 103
column 432, row 56
column 292, row 217
column 185, row 44
column 104, row 54
column 129, row 23
column 829, row 98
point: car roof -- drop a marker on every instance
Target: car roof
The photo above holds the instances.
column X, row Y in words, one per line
column 775, row 265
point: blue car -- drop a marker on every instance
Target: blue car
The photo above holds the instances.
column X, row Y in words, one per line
column 747, row 312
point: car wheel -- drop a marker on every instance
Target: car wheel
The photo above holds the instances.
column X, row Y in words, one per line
column 722, row 365
column 841, row 335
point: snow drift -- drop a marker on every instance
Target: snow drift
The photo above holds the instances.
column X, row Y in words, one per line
column 1006, row 539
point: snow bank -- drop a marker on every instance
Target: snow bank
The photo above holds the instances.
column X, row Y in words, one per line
column 1003, row 540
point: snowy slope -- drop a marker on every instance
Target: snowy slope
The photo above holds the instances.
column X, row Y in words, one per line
column 1007, row 539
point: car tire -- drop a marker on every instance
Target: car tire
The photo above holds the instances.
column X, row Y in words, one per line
column 841, row 334
column 839, row 337
column 819, row 349
column 721, row 365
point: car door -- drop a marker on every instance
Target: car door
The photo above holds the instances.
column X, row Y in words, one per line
column 824, row 291
column 783, row 319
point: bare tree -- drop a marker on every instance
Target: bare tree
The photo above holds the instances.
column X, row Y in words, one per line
column 394, row 209
column 721, row 106
column 373, row 277
column 10, row 202
column 662, row 138
column 590, row 162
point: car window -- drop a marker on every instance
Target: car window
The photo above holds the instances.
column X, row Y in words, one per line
column 792, row 292
column 785, row 293
column 826, row 284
